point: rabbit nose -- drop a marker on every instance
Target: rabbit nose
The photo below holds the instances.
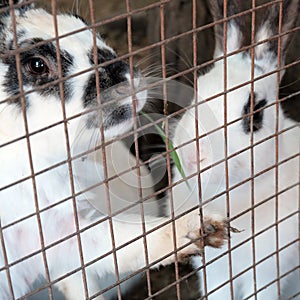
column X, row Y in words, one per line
column 192, row 162
column 190, row 159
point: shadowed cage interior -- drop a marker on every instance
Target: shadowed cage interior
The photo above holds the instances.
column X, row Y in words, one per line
column 172, row 40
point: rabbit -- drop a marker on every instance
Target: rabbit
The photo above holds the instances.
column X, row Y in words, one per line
column 247, row 267
column 45, row 231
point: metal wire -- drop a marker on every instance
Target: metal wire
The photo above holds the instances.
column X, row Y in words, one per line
column 161, row 7
column 29, row 149
column 253, row 17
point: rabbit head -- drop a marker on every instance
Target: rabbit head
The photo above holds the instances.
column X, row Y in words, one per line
column 48, row 79
column 238, row 99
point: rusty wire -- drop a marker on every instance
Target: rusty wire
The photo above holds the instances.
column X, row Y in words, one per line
column 162, row 44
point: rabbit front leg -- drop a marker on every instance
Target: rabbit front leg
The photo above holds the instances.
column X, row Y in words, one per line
column 97, row 242
column 189, row 236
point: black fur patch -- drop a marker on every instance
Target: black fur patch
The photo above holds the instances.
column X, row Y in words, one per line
column 109, row 76
column 46, row 51
column 117, row 116
column 104, row 55
column 258, row 114
column 5, row 6
column 5, row 3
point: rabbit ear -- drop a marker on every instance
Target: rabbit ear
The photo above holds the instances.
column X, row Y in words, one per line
column 270, row 27
column 235, row 26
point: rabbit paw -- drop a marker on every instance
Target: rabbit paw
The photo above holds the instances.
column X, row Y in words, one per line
column 215, row 231
column 213, row 234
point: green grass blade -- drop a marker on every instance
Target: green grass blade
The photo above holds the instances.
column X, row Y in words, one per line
column 173, row 152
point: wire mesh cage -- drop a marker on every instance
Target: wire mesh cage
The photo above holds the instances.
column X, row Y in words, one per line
column 168, row 171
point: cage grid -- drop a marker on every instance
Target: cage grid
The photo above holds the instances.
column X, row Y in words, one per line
column 166, row 116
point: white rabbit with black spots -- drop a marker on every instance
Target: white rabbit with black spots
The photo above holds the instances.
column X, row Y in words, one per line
column 265, row 210
column 39, row 217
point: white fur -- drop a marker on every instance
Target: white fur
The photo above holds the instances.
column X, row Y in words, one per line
column 39, row 199
column 240, row 207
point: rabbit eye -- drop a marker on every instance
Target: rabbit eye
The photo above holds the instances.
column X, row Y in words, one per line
column 37, row 66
